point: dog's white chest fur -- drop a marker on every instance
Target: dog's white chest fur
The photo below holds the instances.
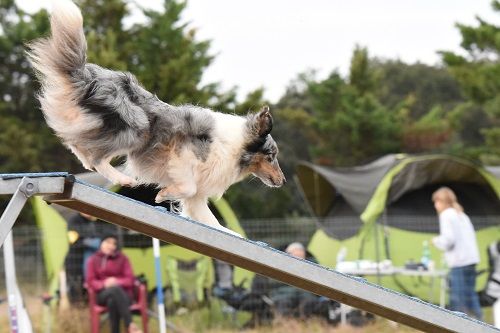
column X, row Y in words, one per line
column 221, row 167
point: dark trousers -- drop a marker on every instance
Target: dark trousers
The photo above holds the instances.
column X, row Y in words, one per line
column 117, row 301
column 463, row 296
column 291, row 301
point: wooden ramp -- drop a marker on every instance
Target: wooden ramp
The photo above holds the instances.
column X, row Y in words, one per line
column 63, row 189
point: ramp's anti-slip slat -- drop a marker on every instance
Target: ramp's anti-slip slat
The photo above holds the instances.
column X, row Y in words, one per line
column 250, row 255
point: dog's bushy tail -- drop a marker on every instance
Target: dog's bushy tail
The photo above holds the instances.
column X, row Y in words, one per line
column 64, row 52
column 59, row 62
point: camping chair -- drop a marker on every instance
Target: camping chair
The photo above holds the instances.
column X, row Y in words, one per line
column 237, row 298
column 225, row 290
column 187, row 283
column 490, row 295
column 139, row 306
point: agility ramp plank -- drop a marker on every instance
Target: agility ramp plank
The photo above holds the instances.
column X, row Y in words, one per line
column 258, row 257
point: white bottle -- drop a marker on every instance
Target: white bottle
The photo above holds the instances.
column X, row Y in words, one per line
column 426, row 254
column 341, row 254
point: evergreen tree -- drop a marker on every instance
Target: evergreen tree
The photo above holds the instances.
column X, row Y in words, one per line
column 420, row 87
column 423, row 98
column 478, row 74
column 26, row 142
column 167, row 58
column 352, row 124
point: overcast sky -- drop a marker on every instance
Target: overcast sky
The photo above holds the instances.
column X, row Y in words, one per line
column 266, row 43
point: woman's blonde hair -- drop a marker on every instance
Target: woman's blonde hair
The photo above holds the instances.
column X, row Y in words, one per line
column 446, row 195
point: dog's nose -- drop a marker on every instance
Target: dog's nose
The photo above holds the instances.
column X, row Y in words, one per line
column 280, row 182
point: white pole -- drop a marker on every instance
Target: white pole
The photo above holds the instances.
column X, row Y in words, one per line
column 159, row 290
column 18, row 316
column 496, row 313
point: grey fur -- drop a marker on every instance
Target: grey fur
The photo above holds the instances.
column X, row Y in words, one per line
column 146, row 122
column 133, row 121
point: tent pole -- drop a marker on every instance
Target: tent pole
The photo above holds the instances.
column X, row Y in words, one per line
column 385, row 233
column 377, row 252
column 316, row 191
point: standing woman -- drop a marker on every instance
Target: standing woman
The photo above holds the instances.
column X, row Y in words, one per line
column 458, row 241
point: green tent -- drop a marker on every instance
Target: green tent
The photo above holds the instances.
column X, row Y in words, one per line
column 383, row 210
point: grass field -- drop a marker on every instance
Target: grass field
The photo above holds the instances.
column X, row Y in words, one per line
column 204, row 320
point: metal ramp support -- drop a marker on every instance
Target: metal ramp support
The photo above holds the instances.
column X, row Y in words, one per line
column 21, row 191
column 254, row 256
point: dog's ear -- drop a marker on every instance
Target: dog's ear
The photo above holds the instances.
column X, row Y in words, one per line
column 264, row 121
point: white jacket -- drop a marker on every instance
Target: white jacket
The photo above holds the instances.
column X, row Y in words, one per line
column 457, row 238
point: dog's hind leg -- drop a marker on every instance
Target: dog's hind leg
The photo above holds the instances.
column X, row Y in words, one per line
column 113, row 175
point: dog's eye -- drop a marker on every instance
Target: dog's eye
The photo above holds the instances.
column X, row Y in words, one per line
column 269, row 158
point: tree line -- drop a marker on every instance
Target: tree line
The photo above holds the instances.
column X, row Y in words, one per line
column 382, row 106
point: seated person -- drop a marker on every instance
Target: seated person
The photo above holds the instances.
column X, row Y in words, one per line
column 84, row 233
column 292, row 301
column 110, row 275
column 268, row 294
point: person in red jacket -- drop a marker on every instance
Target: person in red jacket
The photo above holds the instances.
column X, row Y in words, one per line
column 110, row 275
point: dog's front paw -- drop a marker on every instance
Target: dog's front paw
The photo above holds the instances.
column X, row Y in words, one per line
column 160, row 198
column 127, row 181
column 164, row 196
column 169, row 193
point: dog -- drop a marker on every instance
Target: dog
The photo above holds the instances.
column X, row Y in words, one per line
column 191, row 153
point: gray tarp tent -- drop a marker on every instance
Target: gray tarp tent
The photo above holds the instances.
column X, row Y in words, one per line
column 396, row 185
column 383, row 210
